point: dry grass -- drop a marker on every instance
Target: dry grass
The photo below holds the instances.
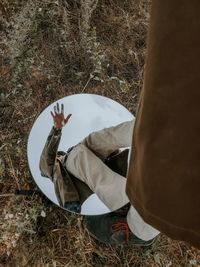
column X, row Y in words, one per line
column 50, row 49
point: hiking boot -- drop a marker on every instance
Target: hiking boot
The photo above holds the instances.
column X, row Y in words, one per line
column 113, row 229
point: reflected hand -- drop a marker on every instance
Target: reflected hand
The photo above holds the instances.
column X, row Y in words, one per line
column 58, row 117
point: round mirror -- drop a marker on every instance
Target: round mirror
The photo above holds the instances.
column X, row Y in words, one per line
column 90, row 113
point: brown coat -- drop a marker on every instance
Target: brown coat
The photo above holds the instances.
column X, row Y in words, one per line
column 164, row 175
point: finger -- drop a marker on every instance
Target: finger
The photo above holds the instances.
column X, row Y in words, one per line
column 62, row 108
column 68, row 117
column 58, row 108
column 52, row 114
column 55, row 111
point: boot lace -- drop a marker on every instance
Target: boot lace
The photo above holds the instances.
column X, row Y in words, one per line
column 119, row 226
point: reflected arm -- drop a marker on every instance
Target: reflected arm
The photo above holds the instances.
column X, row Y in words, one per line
column 47, row 159
column 48, row 156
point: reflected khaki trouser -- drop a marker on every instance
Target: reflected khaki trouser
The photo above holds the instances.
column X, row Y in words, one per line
column 84, row 163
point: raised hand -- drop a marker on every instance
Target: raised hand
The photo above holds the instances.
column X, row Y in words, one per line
column 58, row 117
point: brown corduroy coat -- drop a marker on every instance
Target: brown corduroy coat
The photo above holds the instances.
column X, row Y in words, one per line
column 163, row 181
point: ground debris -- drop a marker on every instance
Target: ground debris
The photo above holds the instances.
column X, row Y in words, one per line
column 51, row 49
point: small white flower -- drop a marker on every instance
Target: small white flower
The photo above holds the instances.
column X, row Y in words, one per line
column 43, row 214
column 8, row 253
column 4, row 237
column 193, row 262
column 169, row 264
column 14, row 243
column 17, row 235
column 131, row 52
column 40, row 9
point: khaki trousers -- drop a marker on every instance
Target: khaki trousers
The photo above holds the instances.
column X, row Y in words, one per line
column 85, row 163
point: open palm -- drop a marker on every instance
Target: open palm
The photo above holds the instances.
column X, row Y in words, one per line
column 58, row 117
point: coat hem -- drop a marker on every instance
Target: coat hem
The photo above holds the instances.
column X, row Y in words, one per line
column 171, row 230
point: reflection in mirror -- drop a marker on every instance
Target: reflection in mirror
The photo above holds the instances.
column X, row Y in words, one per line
column 80, row 162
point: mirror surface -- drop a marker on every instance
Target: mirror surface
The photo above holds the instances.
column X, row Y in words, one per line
column 89, row 113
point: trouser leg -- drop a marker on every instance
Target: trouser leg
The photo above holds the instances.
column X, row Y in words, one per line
column 107, row 140
column 139, row 227
column 84, row 163
column 108, row 185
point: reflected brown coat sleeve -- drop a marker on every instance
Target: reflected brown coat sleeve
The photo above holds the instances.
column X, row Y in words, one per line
column 48, row 156
column 52, row 168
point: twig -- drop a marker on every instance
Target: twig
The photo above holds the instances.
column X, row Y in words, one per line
column 180, row 250
column 16, row 179
column 7, row 195
column 86, row 84
column 2, row 146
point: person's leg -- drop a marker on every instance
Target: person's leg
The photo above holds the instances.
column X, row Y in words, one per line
column 107, row 140
column 139, row 227
column 84, row 163
column 108, row 185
